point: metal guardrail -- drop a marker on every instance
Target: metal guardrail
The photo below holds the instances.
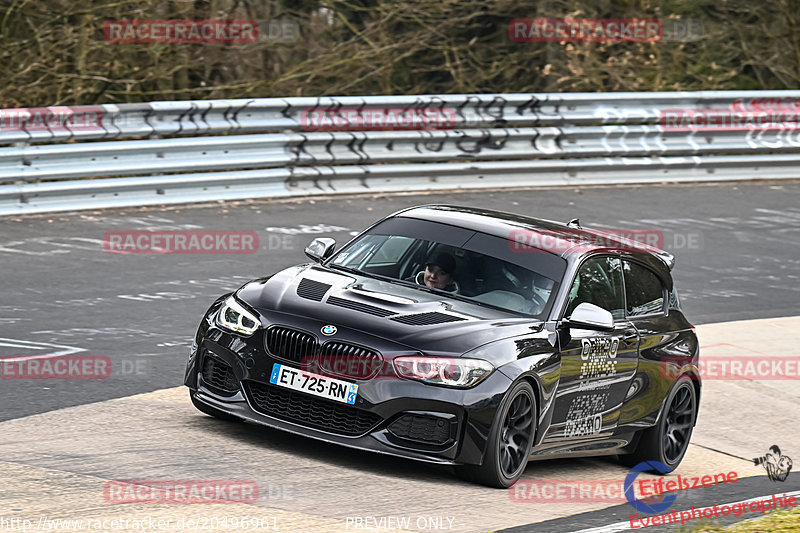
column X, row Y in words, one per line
column 198, row 117
column 234, row 149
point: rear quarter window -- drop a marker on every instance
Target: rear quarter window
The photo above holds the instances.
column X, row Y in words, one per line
column 644, row 293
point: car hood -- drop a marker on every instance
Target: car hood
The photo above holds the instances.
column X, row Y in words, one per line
column 403, row 315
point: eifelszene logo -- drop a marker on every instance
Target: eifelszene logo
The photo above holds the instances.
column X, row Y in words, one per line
column 639, row 505
column 777, row 465
column 666, row 489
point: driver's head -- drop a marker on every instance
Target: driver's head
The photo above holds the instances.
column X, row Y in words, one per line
column 439, row 271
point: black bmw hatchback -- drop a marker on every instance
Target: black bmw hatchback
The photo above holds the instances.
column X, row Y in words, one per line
column 461, row 336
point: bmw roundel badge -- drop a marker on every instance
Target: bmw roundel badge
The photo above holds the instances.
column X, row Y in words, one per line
column 328, row 330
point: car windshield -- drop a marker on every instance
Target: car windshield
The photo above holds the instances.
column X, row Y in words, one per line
column 466, row 264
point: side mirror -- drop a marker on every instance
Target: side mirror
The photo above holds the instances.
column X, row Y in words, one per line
column 590, row 316
column 320, row 249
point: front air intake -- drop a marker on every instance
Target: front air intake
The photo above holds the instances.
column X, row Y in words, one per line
column 218, row 375
column 308, row 411
column 427, row 429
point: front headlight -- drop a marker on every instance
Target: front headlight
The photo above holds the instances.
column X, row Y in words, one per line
column 232, row 316
column 452, row 372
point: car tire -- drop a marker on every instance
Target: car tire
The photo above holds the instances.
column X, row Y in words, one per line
column 515, row 422
column 667, row 441
column 211, row 411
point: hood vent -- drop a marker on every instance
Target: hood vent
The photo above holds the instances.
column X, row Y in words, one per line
column 312, row 290
column 426, row 319
column 358, row 306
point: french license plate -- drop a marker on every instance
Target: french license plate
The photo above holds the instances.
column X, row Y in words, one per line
column 332, row 389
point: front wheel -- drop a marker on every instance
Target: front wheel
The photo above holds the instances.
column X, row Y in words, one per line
column 510, row 441
column 668, row 440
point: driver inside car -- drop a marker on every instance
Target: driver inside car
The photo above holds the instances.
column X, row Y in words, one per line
column 438, row 273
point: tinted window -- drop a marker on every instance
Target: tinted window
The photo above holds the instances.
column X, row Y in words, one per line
column 599, row 282
column 391, row 250
column 486, row 269
column 644, row 293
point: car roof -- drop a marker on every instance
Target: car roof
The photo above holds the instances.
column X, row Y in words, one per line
column 502, row 224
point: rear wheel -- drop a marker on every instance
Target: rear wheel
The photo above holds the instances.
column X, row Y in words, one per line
column 668, row 440
column 211, row 411
column 510, row 440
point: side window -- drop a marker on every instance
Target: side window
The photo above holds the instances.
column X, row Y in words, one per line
column 599, row 282
column 644, row 293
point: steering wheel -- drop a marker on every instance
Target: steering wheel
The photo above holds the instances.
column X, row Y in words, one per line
column 510, row 276
column 540, row 303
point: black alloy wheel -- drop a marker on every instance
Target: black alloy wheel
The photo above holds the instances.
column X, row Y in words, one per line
column 680, row 419
column 510, row 440
column 667, row 441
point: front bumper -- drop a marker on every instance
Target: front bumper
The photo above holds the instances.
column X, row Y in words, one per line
column 392, row 415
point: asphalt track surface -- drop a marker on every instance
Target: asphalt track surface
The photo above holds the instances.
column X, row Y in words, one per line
column 736, row 247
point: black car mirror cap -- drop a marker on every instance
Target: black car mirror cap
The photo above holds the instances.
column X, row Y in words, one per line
column 590, row 316
column 320, row 248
